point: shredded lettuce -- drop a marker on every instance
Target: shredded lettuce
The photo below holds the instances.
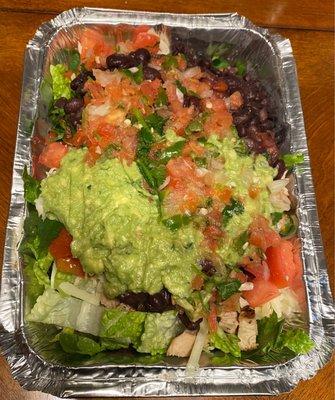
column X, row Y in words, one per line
column 159, row 330
column 32, row 187
column 75, row 343
column 34, row 249
column 122, row 326
column 60, row 83
column 225, row 342
column 66, row 311
column 293, row 159
column 296, row 340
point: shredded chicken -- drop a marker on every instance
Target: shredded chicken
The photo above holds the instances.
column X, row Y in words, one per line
column 181, row 346
column 228, row 321
column 247, row 330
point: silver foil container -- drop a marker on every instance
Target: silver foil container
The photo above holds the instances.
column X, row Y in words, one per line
column 34, row 362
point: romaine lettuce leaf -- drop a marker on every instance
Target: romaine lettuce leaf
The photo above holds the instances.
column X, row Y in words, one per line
column 225, row 342
column 32, row 187
column 159, row 330
column 63, row 277
column 41, row 268
column 296, row 340
column 34, row 249
column 75, row 343
column 122, row 326
column 60, row 84
column 34, row 288
column 66, row 311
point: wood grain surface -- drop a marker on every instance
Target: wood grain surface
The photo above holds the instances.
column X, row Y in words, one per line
column 279, row 13
column 307, row 24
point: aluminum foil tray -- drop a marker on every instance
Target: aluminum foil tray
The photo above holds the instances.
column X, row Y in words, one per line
column 34, row 361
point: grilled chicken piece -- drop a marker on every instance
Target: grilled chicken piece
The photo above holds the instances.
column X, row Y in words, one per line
column 228, row 321
column 181, row 346
column 247, row 331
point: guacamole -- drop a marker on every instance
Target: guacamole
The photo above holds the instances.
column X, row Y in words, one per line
column 115, row 227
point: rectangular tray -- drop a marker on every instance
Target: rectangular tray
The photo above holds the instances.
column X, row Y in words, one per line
column 37, row 366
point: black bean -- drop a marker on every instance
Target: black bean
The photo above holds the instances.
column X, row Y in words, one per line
column 268, row 124
column 119, row 61
column 74, row 118
column 142, row 301
column 140, row 56
column 190, row 325
column 60, row 103
column 160, row 302
column 192, row 101
column 151, row 74
column 207, row 266
column 73, row 105
column 78, row 82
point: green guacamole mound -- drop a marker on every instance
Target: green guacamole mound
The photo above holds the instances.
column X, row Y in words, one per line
column 116, row 230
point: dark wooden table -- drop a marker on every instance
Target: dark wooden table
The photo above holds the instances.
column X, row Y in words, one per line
column 309, row 25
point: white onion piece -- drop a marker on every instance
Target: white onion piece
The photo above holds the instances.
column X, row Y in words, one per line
column 164, row 43
column 98, row 111
column 53, row 275
column 165, row 183
column 192, row 72
column 81, row 294
column 279, row 196
column 180, row 95
column 199, row 343
column 40, row 207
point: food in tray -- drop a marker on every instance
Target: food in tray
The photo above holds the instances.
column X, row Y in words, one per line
column 160, row 213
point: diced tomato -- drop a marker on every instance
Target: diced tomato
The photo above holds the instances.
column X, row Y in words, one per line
column 197, row 282
column 212, row 318
column 150, row 89
column 192, row 147
column 60, row 249
column 236, row 100
column 281, row 264
column 140, row 28
column 144, row 39
column 60, row 246
column 70, row 266
column 94, row 47
column 212, row 235
column 262, row 292
column 253, row 191
column 259, row 269
column 261, row 235
column 220, row 120
column 220, row 86
column 224, row 194
column 52, row 154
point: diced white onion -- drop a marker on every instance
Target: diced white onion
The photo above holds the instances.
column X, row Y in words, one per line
column 199, row 343
column 53, row 275
column 246, row 286
column 165, row 183
column 40, row 207
column 133, row 69
column 81, row 294
column 180, row 95
column 164, row 43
